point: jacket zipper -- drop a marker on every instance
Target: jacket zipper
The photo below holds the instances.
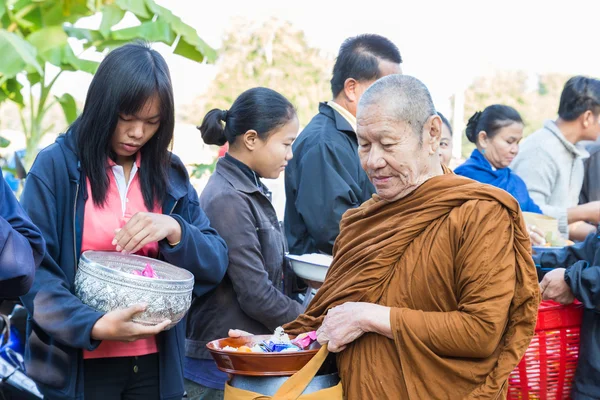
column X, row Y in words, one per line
column 171, row 212
column 74, row 226
column 174, row 205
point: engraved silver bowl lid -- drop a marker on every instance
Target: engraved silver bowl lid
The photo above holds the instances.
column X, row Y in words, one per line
column 120, row 265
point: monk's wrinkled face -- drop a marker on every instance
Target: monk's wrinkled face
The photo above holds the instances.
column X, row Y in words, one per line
column 396, row 159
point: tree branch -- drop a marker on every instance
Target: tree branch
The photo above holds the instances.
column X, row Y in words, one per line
column 48, row 107
column 23, row 123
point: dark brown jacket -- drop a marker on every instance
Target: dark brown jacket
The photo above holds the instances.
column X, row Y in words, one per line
column 250, row 296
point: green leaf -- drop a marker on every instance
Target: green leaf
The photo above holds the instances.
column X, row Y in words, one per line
column 17, row 53
column 49, row 43
column 111, row 15
column 69, row 106
column 191, row 46
column 89, row 35
column 137, row 7
column 94, row 4
column 78, row 64
column 2, row 8
column 109, row 44
column 11, row 90
column 156, row 31
column 55, row 12
column 33, row 19
column 19, row 5
column 201, row 169
column 4, row 142
column 186, row 50
column 34, row 78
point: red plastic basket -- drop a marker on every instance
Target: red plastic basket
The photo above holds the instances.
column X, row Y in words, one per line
column 548, row 366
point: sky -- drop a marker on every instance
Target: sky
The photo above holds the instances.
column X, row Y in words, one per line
column 445, row 43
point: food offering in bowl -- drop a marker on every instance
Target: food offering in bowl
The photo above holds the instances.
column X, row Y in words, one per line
column 108, row 281
column 264, row 355
column 553, row 242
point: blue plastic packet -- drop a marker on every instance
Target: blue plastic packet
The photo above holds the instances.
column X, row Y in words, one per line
column 279, row 347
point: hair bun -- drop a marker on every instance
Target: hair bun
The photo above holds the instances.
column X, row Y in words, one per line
column 471, row 129
column 212, row 128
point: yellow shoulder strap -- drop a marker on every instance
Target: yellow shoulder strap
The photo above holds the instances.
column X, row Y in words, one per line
column 293, row 387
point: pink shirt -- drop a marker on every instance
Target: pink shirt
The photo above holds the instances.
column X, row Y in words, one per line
column 123, row 201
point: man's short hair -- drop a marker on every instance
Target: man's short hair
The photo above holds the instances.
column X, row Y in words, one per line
column 406, row 98
column 579, row 95
column 359, row 58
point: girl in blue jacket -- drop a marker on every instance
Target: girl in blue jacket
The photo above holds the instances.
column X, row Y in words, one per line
column 78, row 193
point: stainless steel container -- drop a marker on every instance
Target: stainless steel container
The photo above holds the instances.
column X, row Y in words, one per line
column 104, row 282
column 268, row 385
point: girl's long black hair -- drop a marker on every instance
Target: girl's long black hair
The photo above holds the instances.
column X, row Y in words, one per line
column 126, row 79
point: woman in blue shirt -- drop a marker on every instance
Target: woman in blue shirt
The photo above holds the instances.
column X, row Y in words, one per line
column 497, row 132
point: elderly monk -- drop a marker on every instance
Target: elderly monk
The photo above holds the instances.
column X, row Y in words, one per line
column 432, row 293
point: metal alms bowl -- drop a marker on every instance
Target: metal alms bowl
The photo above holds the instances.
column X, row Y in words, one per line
column 104, row 282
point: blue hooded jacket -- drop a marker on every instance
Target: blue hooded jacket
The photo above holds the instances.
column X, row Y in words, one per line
column 21, row 246
column 480, row 170
column 60, row 325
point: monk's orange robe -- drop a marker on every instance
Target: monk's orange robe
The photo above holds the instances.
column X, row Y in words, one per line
column 453, row 261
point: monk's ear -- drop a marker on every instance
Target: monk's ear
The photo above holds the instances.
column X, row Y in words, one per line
column 433, row 133
column 250, row 139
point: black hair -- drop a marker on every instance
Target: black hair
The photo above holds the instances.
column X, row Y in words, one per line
column 359, row 58
column 260, row 109
column 126, row 79
column 491, row 120
column 445, row 122
column 579, row 95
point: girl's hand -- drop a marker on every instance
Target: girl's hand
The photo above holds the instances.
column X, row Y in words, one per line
column 118, row 325
column 144, row 228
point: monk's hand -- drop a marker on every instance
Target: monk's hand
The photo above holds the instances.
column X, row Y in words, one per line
column 342, row 325
column 554, row 287
column 144, row 228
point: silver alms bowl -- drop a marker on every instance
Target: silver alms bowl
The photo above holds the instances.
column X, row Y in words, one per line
column 104, row 282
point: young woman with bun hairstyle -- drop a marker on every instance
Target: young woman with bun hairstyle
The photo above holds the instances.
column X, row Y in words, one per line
column 260, row 127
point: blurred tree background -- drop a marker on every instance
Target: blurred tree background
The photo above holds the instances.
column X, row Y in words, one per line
column 272, row 54
column 36, row 38
column 534, row 96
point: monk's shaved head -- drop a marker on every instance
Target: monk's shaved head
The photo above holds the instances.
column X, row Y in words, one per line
column 400, row 97
column 398, row 133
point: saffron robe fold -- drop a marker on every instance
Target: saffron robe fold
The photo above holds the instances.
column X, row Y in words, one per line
column 453, row 261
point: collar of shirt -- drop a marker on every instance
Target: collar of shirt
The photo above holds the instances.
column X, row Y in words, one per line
column 119, row 174
column 249, row 172
column 573, row 148
column 344, row 113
